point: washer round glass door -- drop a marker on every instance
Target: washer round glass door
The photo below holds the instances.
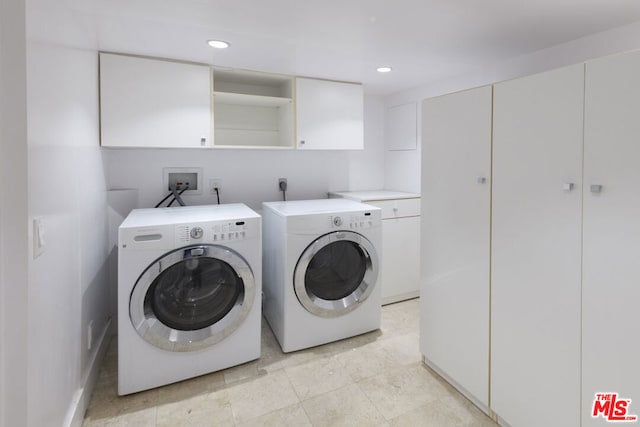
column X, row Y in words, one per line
column 335, row 273
column 192, row 297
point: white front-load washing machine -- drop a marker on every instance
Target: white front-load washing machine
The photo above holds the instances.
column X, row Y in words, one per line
column 320, row 270
column 189, row 293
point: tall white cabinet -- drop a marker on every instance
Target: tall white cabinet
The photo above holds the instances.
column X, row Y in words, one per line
column 536, row 248
column 456, row 177
column 565, row 242
column 611, row 256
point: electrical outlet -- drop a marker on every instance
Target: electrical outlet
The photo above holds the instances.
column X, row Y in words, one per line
column 213, row 184
column 282, row 184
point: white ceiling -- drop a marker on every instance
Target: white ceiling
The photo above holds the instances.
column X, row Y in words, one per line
column 423, row 40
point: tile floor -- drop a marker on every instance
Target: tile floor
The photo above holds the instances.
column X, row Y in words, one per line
column 375, row 379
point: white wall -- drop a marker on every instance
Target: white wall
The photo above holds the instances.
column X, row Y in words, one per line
column 402, row 168
column 67, row 190
column 251, row 176
column 68, row 282
column 366, row 167
column 13, row 215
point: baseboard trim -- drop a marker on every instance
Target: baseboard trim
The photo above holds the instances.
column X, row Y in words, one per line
column 82, row 396
column 470, row 397
column 400, row 297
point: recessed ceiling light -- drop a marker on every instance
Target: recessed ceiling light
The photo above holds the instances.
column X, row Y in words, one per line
column 218, row 44
column 383, row 69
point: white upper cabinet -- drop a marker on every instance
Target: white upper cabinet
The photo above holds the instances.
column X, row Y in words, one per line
column 536, row 248
column 329, row 115
column 150, row 102
column 154, row 103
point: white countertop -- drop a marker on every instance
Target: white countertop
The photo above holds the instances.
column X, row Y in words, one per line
column 372, row 195
column 322, row 206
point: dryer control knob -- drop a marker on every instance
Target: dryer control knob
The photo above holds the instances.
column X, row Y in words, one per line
column 196, row 233
column 337, row 221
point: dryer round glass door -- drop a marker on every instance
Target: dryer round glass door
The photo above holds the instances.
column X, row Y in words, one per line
column 336, row 273
column 192, row 298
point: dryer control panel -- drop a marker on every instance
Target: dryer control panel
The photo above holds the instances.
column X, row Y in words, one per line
column 352, row 221
column 321, row 223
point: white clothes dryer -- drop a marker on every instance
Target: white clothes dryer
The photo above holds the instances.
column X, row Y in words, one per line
column 189, row 293
column 320, row 270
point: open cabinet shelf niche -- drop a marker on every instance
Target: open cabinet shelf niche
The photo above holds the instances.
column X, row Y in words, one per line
column 252, row 109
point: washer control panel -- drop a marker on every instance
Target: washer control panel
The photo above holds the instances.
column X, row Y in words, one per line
column 218, row 232
column 236, row 230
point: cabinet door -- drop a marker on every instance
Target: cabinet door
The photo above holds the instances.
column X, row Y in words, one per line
column 329, row 115
column 611, row 267
column 456, row 164
column 154, row 103
column 536, row 248
column 400, row 258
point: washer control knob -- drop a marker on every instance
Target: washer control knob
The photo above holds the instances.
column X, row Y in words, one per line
column 196, row 233
column 337, row 221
